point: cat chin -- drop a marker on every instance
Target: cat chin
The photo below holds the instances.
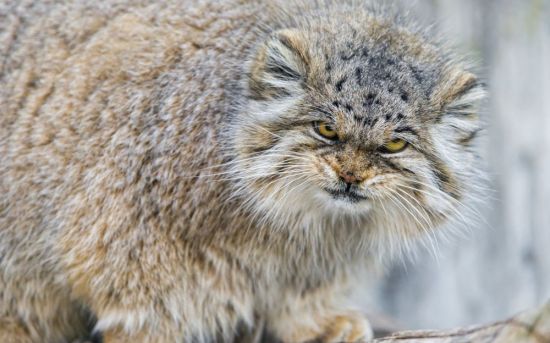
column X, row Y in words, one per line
column 341, row 205
column 313, row 205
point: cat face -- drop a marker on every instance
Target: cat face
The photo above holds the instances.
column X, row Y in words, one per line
column 343, row 125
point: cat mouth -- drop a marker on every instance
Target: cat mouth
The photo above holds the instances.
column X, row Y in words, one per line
column 349, row 195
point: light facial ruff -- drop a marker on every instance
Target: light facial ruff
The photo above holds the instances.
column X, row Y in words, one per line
column 196, row 170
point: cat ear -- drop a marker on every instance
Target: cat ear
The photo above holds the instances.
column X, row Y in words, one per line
column 459, row 99
column 280, row 66
column 460, row 94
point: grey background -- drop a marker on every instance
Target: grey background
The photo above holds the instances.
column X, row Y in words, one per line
column 503, row 265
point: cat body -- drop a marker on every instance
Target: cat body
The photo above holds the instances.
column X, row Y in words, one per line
column 167, row 172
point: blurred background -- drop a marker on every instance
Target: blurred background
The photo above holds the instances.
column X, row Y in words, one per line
column 503, row 265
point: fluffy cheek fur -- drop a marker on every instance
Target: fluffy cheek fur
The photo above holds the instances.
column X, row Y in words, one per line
column 278, row 181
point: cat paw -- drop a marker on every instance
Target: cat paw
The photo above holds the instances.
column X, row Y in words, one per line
column 350, row 327
column 346, row 327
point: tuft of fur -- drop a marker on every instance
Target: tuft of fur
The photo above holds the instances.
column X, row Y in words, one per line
column 161, row 178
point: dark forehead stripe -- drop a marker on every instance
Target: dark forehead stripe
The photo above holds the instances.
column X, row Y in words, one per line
column 328, row 65
column 359, row 75
column 350, row 52
column 373, row 122
column 360, row 120
column 365, row 120
column 347, row 55
column 369, row 101
column 404, row 96
column 340, row 84
column 417, row 73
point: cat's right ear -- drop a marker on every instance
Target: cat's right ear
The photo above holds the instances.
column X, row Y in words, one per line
column 280, row 66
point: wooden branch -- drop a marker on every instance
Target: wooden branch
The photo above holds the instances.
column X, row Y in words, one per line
column 529, row 327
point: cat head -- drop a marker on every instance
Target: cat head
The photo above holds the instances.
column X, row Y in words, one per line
column 359, row 119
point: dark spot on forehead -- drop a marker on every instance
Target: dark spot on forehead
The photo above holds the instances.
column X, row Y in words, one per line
column 417, row 74
column 348, row 107
column 405, row 96
column 336, row 103
column 359, row 119
column 359, row 75
column 348, row 54
column 365, row 121
column 370, row 100
column 394, row 117
column 340, row 84
column 328, row 65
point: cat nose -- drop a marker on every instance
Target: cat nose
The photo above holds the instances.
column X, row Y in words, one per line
column 349, row 177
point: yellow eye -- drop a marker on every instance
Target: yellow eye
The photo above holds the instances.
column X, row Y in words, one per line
column 326, row 130
column 394, row 146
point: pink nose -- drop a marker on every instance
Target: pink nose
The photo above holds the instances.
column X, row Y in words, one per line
column 349, row 177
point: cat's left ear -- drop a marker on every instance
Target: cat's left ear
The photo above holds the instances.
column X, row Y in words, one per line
column 461, row 93
column 458, row 100
column 280, row 65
